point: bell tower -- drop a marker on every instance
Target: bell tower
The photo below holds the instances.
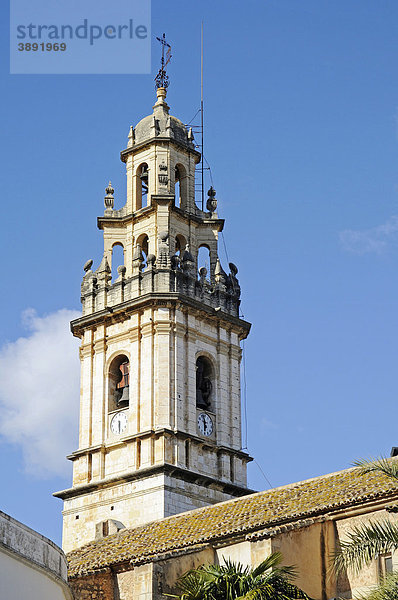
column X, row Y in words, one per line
column 160, row 414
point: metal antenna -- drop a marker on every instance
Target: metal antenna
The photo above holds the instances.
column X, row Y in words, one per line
column 162, row 79
column 201, row 115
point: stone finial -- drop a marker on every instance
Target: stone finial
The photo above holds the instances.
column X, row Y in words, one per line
column 161, row 104
column 220, row 276
column 190, row 135
column 104, row 266
column 88, row 278
column 131, row 137
column 161, row 93
column 175, row 262
column 151, row 259
column 202, row 274
column 121, row 270
column 211, row 203
column 138, row 259
column 87, row 265
column 109, row 199
column 219, row 272
column 233, row 268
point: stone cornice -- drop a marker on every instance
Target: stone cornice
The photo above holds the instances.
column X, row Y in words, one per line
column 163, row 469
column 183, row 435
column 148, row 210
column 158, row 298
column 155, row 140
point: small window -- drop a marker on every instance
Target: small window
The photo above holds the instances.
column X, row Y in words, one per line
column 204, row 384
column 105, row 528
column 385, row 565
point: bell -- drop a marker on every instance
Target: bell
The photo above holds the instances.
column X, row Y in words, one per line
column 144, row 181
column 124, row 398
column 144, row 175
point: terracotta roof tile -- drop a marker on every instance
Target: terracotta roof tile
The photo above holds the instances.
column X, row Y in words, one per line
column 242, row 515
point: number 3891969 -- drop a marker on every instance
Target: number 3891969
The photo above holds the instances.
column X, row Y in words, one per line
column 42, row 47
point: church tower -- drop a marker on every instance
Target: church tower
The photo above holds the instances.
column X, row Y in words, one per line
column 160, row 413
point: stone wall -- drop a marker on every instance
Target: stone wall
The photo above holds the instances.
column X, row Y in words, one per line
column 98, row 586
column 31, row 566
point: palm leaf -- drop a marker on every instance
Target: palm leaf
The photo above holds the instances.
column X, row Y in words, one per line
column 235, row 581
column 386, row 590
column 365, row 543
column 384, row 465
column 271, row 562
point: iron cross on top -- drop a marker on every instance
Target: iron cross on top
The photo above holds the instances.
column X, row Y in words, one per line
column 161, row 79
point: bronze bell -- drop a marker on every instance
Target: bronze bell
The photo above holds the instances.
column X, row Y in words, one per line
column 144, row 175
column 124, row 398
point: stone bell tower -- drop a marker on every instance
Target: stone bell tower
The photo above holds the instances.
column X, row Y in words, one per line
column 160, row 414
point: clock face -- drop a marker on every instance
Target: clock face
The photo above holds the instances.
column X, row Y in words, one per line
column 205, row 424
column 119, row 423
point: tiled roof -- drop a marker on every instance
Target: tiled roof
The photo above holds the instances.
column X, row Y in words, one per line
column 241, row 516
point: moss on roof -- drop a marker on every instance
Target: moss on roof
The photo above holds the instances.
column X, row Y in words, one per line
column 234, row 517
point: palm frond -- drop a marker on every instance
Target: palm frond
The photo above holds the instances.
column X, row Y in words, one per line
column 270, row 590
column 263, row 591
column 271, row 562
column 232, row 581
column 194, row 584
column 381, row 464
column 386, row 590
column 364, row 544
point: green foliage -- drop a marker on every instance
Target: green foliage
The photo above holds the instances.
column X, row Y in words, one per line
column 387, row 590
column 233, row 581
column 366, row 542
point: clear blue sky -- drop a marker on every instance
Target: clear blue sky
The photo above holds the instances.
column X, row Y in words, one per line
column 301, row 134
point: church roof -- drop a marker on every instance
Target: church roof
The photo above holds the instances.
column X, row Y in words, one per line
column 245, row 516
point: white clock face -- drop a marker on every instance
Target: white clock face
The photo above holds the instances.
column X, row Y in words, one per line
column 119, row 423
column 205, row 424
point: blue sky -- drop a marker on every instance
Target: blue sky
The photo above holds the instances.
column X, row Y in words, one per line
column 301, row 134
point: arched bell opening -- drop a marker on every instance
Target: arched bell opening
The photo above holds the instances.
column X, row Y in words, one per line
column 177, row 188
column 205, row 384
column 117, row 259
column 179, row 245
column 143, row 243
column 180, row 186
column 204, row 262
column 119, row 383
column 142, row 186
